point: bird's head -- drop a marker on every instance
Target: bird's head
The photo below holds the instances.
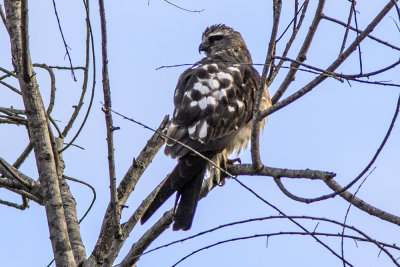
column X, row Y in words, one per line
column 221, row 38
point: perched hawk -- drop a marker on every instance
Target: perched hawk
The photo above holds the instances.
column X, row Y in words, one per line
column 214, row 102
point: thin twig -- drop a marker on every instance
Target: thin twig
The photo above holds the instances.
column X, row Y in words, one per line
column 314, row 234
column 290, row 219
column 4, row 76
column 372, row 161
column 65, row 43
column 13, row 119
column 382, row 83
column 342, row 191
column 283, row 189
column 332, row 183
column 359, row 44
column 93, row 192
column 188, row 10
column 296, row 29
column 296, row 10
column 348, row 212
column 89, row 47
column 398, row 14
column 26, row 194
column 293, row 21
column 14, row 205
column 55, row 126
column 12, row 111
column 3, row 17
column 319, row 70
column 301, row 56
column 367, row 238
column 369, row 74
column 18, row 162
column 8, row 72
column 310, row 86
column 347, row 28
column 175, row 140
column 67, row 68
column 11, row 87
column 359, row 31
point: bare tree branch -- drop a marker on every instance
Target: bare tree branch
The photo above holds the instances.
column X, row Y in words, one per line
column 185, row 9
column 358, row 31
column 89, row 47
column 292, row 220
column 18, row 162
column 363, row 172
column 267, row 235
column 350, row 16
column 11, row 186
column 302, row 55
column 347, row 213
column 115, row 205
column 332, row 67
column 159, row 227
column 52, row 191
column 52, row 86
column 9, row 171
column 10, row 87
column 22, row 206
column 353, row 6
column 107, row 238
column 69, row 205
column 3, row 17
column 65, row 43
column 147, row 238
column 362, row 205
column 246, row 169
column 17, row 20
column 289, row 44
column 256, row 124
column 365, row 238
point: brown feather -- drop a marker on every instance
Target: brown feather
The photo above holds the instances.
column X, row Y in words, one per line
column 214, row 101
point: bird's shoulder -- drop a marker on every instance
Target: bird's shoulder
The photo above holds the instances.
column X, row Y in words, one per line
column 213, row 100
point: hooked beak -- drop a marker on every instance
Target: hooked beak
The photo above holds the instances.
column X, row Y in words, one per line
column 203, row 47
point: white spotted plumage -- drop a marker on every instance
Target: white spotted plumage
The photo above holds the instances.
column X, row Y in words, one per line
column 203, row 103
column 224, row 75
column 214, row 102
column 211, row 101
column 203, row 130
column 203, row 89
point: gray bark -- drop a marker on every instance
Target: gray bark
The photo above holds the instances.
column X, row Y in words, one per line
column 17, row 24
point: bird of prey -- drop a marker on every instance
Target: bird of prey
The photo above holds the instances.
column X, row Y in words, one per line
column 214, row 102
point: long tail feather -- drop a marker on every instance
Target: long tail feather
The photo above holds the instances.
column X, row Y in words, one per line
column 189, row 171
column 189, row 196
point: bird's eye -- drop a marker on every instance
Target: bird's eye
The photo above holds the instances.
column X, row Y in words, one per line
column 215, row 38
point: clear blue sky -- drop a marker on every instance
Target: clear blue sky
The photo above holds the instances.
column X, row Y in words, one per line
column 336, row 128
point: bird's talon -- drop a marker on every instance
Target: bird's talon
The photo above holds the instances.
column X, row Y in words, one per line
column 232, row 161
